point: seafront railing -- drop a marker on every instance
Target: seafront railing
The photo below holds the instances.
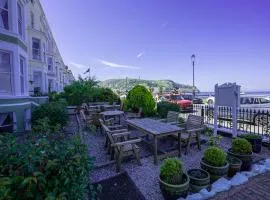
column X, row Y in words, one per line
column 249, row 120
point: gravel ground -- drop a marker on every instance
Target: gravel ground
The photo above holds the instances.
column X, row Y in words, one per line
column 145, row 177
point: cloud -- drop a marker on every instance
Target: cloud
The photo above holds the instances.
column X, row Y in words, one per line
column 164, row 24
column 140, row 54
column 74, row 64
column 115, row 65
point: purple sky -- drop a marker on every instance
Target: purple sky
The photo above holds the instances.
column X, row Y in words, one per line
column 154, row 39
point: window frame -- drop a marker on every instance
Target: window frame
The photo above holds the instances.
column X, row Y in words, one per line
column 11, row 73
column 8, row 17
column 20, row 19
column 38, row 56
column 22, row 75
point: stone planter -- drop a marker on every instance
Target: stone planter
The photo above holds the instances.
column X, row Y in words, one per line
column 173, row 192
column 199, row 179
column 245, row 158
column 234, row 165
column 215, row 172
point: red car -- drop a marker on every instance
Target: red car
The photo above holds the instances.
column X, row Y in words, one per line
column 185, row 104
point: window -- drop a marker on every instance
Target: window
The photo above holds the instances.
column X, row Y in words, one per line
column 50, row 64
column 22, row 62
column 32, row 20
column 5, row 72
column 20, row 19
column 4, row 14
column 36, row 49
column 6, row 122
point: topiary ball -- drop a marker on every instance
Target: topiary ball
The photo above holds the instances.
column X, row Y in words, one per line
column 215, row 156
column 171, row 171
column 241, row 146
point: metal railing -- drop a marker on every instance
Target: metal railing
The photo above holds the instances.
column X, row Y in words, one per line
column 249, row 120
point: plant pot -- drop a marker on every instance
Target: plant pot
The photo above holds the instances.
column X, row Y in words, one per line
column 234, row 165
column 172, row 192
column 256, row 144
column 199, row 179
column 245, row 158
column 215, row 172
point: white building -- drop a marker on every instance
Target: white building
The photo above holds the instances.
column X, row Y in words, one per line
column 30, row 62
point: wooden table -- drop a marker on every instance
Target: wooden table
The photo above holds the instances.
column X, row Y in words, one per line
column 112, row 114
column 157, row 130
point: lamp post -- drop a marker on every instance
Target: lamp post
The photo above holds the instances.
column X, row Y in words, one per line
column 193, row 85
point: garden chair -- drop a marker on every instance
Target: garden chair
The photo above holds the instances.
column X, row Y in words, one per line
column 123, row 148
column 192, row 130
column 172, row 117
column 112, row 130
column 130, row 115
column 86, row 120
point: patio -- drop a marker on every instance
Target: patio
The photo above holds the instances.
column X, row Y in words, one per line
column 145, row 177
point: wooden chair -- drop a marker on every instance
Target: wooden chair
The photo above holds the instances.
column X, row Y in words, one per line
column 112, row 130
column 193, row 128
column 86, row 120
column 130, row 115
column 172, row 117
column 120, row 149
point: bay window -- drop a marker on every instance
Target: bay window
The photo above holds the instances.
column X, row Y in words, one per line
column 5, row 73
column 4, row 14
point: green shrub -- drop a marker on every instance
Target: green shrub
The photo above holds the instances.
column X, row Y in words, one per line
column 43, row 167
column 241, row 146
column 140, row 97
column 250, row 136
column 215, row 156
column 56, row 112
column 171, row 171
column 164, row 107
column 84, row 91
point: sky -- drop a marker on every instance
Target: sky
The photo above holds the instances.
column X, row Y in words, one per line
column 154, row 39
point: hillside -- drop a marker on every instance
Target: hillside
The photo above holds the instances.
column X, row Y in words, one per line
column 121, row 85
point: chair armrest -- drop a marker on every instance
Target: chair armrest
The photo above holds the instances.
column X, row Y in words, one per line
column 121, row 134
column 116, row 126
column 127, row 142
column 195, row 130
column 119, row 131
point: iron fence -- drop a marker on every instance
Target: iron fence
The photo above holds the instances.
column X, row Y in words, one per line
column 249, row 120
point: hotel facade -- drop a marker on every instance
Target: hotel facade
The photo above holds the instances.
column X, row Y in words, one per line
column 31, row 65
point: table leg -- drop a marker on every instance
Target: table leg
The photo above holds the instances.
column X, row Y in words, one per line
column 155, row 151
column 179, row 143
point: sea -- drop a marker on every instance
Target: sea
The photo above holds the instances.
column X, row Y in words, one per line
column 251, row 93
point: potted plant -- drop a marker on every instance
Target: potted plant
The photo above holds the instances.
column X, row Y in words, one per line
column 242, row 149
column 234, row 165
column 254, row 140
column 215, row 163
column 173, row 182
column 199, row 179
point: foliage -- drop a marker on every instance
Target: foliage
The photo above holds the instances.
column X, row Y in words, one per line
column 250, row 136
column 241, row 146
column 164, row 107
column 56, row 112
column 215, row 156
column 123, row 85
column 43, row 167
column 140, row 97
column 84, row 91
column 214, row 140
column 171, row 171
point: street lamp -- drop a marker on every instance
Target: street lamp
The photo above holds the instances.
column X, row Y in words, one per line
column 193, row 62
